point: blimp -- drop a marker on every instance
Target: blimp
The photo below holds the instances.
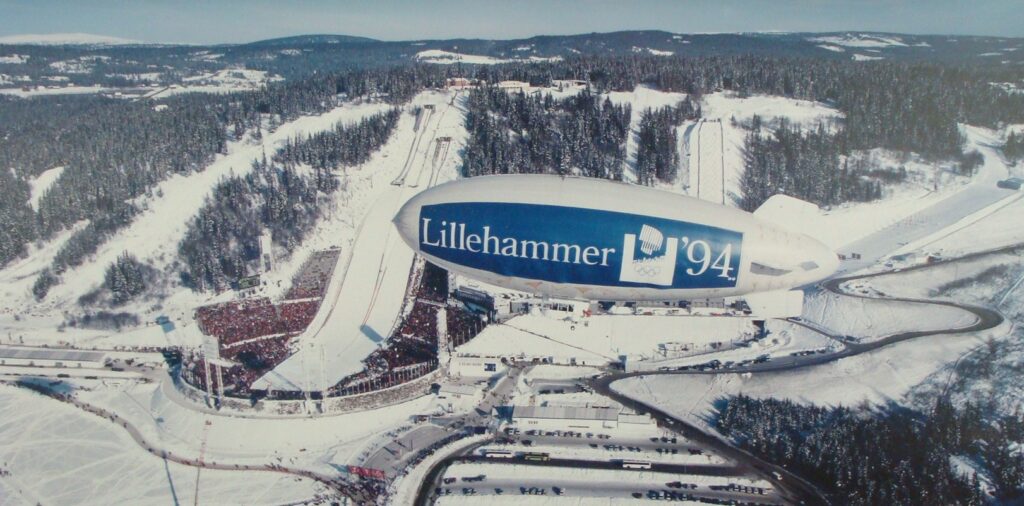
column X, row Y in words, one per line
column 594, row 239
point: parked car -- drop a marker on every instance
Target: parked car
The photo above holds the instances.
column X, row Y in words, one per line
column 1014, row 183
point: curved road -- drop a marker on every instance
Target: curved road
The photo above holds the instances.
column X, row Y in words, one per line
column 798, row 489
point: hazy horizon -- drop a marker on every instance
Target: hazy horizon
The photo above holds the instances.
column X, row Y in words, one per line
column 236, row 21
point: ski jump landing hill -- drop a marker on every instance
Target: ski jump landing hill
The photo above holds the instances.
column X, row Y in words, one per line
column 363, row 300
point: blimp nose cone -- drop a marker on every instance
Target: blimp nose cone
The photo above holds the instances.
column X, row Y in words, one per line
column 405, row 221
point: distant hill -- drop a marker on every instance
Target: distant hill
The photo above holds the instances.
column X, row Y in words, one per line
column 68, row 39
column 302, row 40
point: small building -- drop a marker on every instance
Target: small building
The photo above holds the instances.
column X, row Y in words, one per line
column 458, row 83
column 567, row 83
column 513, row 85
column 476, row 367
column 453, row 397
column 565, row 417
column 46, row 357
column 476, row 299
column 457, row 392
column 509, row 307
column 630, row 418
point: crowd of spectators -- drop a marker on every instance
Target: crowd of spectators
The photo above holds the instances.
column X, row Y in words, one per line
column 314, row 275
column 433, row 284
column 231, row 322
column 237, row 322
column 463, row 325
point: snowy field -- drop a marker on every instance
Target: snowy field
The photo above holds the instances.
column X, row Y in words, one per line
column 885, row 375
column 889, row 374
column 315, row 443
column 63, row 90
column 57, row 454
column 861, row 40
column 877, row 229
column 601, row 338
column 870, row 319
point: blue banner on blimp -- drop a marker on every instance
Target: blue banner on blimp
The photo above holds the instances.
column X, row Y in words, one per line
column 581, row 246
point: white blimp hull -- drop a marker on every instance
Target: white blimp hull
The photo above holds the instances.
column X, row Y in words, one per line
column 574, row 237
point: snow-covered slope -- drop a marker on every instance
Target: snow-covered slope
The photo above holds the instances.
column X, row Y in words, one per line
column 41, row 183
column 712, row 149
column 154, row 235
column 860, row 40
column 449, row 57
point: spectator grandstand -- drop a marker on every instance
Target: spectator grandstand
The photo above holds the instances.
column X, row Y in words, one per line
column 255, row 335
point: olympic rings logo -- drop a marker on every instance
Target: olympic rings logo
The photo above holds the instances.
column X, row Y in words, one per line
column 647, row 271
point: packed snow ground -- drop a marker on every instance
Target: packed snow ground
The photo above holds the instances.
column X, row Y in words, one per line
column 318, row 444
column 57, row 454
column 879, row 233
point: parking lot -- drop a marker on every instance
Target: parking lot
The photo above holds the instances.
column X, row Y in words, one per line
column 516, row 478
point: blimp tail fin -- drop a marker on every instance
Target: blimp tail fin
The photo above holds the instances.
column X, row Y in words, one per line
column 786, row 211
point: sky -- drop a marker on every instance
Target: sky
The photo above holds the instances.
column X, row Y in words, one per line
column 232, row 21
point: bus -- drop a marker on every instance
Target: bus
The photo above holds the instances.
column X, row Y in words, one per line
column 498, row 454
column 537, row 456
column 635, row 464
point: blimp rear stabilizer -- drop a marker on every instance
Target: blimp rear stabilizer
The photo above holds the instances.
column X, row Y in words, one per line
column 584, row 238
